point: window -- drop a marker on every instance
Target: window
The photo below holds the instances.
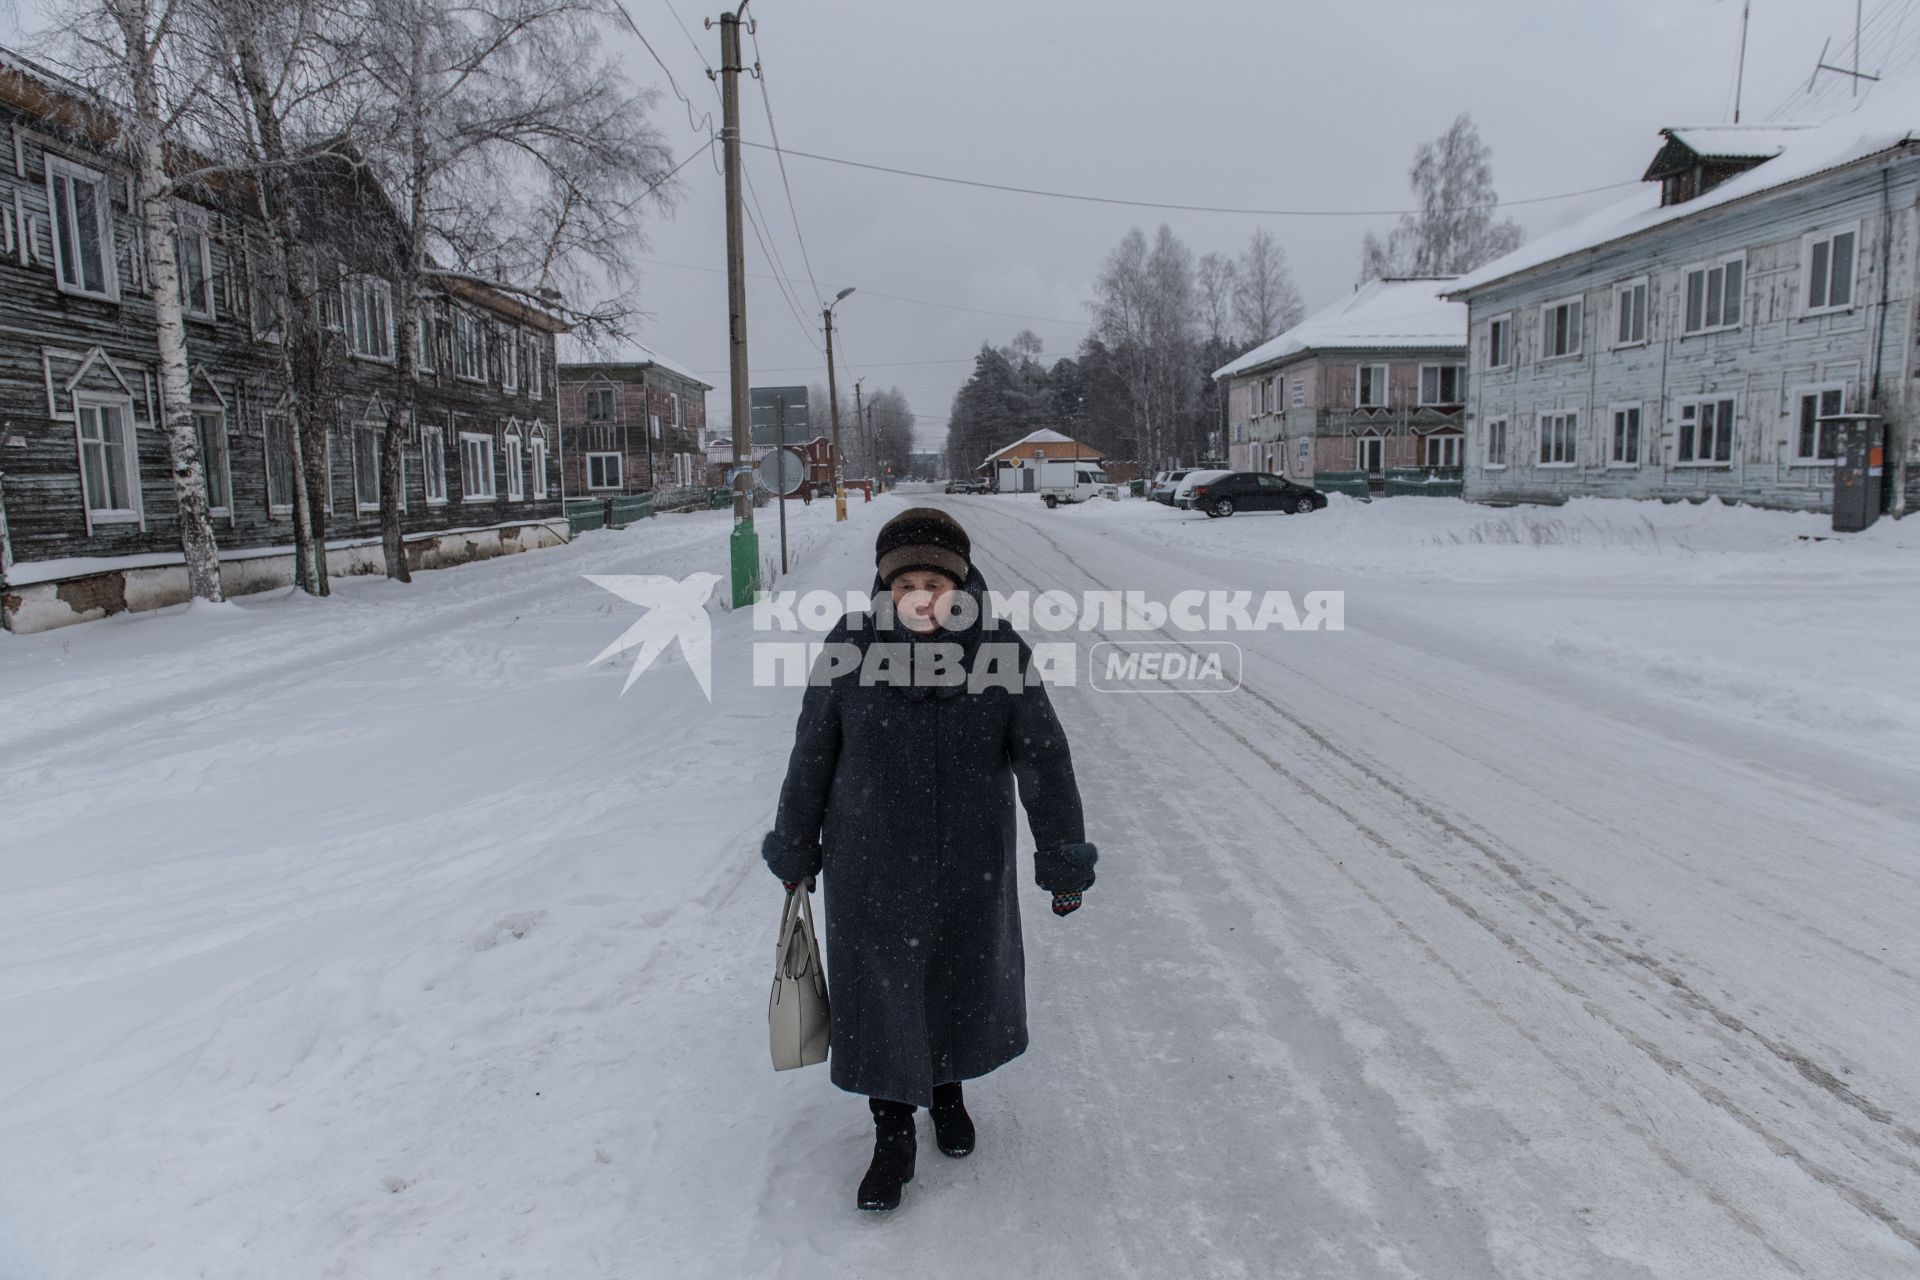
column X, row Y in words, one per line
column 1443, row 451
column 426, row 354
column 1706, row 433
column 194, row 254
column 82, row 230
column 1558, row 434
column 1371, row 389
column 1623, row 449
column 366, row 468
column 1828, row 263
column 369, row 317
column 600, row 404
column 1496, row 444
column 603, row 471
column 1630, row 313
column 469, row 347
column 263, row 292
column 1815, row 441
column 109, row 467
column 433, row 464
column 1299, row 393
column 210, row 427
column 673, row 402
column 516, row 477
column 277, row 432
column 476, row 467
column 653, row 425
column 1560, row 328
column 1500, row 342
column 537, row 453
column 510, row 360
column 1713, row 295
column 1442, row 384
column 536, row 368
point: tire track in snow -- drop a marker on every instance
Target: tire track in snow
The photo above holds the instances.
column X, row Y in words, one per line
column 1575, row 926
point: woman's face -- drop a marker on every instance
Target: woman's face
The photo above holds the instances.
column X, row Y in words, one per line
column 922, row 598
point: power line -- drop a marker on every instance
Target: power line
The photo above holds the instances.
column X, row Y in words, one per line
column 1179, row 208
column 767, row 101
column 703, row 125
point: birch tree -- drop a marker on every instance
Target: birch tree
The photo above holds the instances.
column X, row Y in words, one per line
column 1265, row 301
column 1454, row 230
column 514, row 153
column 134, row 53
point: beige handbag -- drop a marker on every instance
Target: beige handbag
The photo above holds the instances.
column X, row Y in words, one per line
column 797, row 1019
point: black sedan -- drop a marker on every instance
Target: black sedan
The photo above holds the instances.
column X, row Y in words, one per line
column 1254, row 491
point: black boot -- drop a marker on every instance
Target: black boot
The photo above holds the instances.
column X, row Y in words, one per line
column 952, row 1126
column 894, row 1147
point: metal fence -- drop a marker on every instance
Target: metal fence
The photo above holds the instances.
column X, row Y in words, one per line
column 584, row 514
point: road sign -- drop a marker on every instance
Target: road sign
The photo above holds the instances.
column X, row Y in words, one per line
column 764, row 409
column 783, row 471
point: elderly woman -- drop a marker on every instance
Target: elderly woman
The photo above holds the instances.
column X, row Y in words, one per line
column 900, row 793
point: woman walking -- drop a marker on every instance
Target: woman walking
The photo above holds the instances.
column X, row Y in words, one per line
column 900, row 792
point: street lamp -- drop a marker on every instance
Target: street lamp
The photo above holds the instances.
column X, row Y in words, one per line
column 833, row 408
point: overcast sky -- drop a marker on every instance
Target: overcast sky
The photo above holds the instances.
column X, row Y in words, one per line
column 1259, row 105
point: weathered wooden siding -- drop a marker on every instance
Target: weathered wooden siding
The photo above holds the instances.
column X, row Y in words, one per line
column 1329, row 416
column 643, row 394
column 54, row 342
column 1759, row 364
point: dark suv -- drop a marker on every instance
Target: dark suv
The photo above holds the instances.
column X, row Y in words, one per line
column 1253, row 491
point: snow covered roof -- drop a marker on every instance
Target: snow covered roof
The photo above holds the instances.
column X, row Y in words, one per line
column 1381, row 314
column 1043, row 436
column 630, row 351
column 1887, row 118
column 1736, row 141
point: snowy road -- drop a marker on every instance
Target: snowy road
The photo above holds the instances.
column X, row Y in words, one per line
column 379, row 938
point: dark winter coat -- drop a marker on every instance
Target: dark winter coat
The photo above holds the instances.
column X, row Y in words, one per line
column 901, row 795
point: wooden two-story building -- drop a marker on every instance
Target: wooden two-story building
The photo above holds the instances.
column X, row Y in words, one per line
column 634, row 424
column 1704, row 337
column 1373, row 383
column 88, row 523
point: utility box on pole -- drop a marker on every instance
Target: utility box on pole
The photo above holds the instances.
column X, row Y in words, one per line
column 1858, row 470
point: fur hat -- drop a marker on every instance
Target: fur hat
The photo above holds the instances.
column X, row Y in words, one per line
column 922, row 538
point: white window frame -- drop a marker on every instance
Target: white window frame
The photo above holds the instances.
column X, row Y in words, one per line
column 619, row 470
column 1799, row 395
column 1576, row 327
column 426, row 337
column 362, row 326
column 482, row 443
column 469, row 346
column 1631, row 300
column 1500, row 325
column 1299, row 393
column 433, row 464
column 513, row 452
column 1360, row 387
column 83, row 402
column 1614, row 411
column 1460, row 382
column 1562, row 426
column 1449, row 443
column 1727, row 297
column 59, row 168
column 1497, row 431
column 537, row 457
column 192, row 238
column 277, row 424
column 509, row 359
column 592, row 394
column 1808, row 244
column 366, row 438
column 221, row 466
column 1681, row 426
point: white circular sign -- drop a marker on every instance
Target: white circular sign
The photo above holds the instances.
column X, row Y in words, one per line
column 783, row 471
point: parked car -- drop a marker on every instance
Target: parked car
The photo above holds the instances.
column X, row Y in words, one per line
column 1161, row 490
column 966, row 486
column 1253, row 491
column 1184, row 486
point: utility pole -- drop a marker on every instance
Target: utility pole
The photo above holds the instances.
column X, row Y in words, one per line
column 743, row 543
column 872, row 451
column 833, row 411
column 1740, row 77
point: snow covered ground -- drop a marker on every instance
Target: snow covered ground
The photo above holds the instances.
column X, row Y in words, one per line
column 1559, row 917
